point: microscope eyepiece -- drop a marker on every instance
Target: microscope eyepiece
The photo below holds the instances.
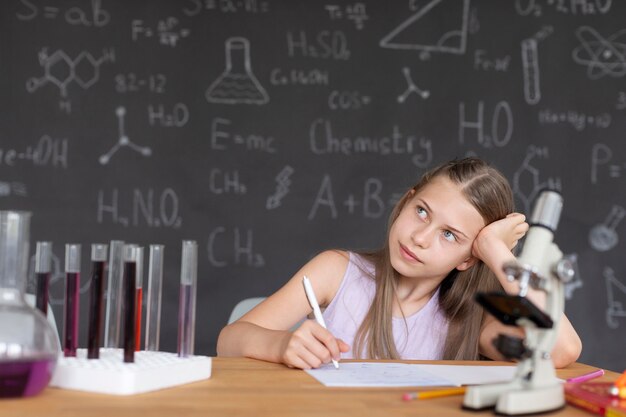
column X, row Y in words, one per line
column 547, row 211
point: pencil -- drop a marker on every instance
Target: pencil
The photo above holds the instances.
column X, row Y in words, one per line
column 433, row 394
column 586, row 377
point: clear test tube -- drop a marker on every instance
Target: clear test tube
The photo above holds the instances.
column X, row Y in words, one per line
column 114, row 295
column 187, row 303
column 43, row 271
column 96, row 295
column 130, row 271
column 71, row 307
column 138, row 297
column 153, row 298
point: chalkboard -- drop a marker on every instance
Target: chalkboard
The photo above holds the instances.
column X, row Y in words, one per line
column 268, row 131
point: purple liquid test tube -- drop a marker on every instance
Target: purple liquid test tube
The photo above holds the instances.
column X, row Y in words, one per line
column 98, row 266
column 187, row 303
column 130, row 270
column 71, row 307
column 43, row 257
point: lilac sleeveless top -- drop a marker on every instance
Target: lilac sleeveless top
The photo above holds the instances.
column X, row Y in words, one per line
column 421, row 336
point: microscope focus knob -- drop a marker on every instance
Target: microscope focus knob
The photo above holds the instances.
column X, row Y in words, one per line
column 564, row 270
column 511, row 347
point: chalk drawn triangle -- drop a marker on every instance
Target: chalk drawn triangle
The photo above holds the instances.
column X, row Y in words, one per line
column 433, row 28
column 616, row 294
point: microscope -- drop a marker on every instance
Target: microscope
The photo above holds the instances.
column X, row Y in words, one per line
column 541, row 265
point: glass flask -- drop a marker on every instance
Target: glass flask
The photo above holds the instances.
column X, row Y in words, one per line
column 29, row 346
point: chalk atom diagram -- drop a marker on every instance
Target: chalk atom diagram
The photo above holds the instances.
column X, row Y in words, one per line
column 123, row 140
column 421, row 31
column 601, row 56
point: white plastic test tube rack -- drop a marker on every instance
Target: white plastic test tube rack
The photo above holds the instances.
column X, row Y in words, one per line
column 151, row 371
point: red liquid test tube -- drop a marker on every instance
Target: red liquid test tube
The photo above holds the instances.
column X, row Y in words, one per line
column 98, row 267
column 130, row 270
column 138, row 297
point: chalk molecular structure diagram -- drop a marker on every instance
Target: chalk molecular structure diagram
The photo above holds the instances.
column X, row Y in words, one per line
column 123, row 140
column 411, row 87
column 526, row 183
column 61, row 70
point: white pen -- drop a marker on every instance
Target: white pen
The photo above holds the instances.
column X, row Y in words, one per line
column 310, row 295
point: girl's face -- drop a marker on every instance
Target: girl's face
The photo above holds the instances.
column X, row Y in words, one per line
column 434, row 232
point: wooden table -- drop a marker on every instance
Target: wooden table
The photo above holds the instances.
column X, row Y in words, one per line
column 247, row 387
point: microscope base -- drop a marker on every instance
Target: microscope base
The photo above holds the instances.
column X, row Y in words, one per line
column 529, row 401
column 512, row 399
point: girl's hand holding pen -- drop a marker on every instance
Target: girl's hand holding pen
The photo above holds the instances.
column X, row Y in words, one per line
column 311, row 346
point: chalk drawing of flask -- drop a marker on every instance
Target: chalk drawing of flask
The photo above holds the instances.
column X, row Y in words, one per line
column 237, row 84
column 603, row 237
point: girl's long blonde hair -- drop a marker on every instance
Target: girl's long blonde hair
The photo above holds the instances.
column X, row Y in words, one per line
column 490, row 193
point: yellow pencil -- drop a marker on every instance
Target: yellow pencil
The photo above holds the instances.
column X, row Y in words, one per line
column 433, row 394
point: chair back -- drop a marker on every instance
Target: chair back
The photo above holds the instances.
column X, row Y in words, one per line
column 243, row 307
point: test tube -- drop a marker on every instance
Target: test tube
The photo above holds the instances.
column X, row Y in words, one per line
column 70, row 310
column 43, row 257
column 187, row 303
column 98, row 266
column 130, row 271
column 153, row 300
column 138, row 297
column 114, row 295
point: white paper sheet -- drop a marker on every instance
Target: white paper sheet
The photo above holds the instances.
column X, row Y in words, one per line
column 391, row 374
column 472, row 374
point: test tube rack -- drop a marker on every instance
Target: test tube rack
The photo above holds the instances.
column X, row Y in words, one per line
column 109, row 374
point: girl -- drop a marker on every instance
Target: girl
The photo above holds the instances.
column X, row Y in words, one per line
column 448, row 238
